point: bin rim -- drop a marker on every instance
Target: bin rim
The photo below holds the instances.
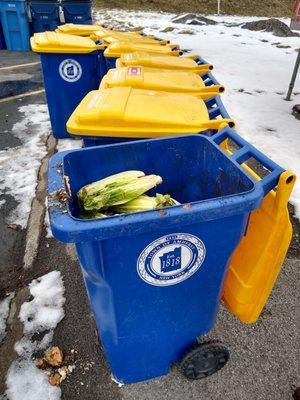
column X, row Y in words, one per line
column 67, row 228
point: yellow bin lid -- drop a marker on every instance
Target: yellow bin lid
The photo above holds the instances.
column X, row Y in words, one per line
column 161, row 61
column 156, row 79
column 110, row 36
column 137, row 113
column 78, row 29
column 117, row 48
column 53, row 42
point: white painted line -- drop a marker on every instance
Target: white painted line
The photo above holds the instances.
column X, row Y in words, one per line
column 19, row 96
column 20, row 66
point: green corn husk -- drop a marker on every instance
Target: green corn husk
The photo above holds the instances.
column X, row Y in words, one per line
column 115, row 193
column 145, row 203
column 93, row 189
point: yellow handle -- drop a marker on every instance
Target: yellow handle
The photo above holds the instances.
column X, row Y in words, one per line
column 285, row 186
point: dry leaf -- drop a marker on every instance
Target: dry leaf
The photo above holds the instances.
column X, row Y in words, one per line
column 15, row 227
column 54, row 356
column 54, row 380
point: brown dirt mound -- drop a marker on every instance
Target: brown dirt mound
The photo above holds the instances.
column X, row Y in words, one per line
column 273, row 25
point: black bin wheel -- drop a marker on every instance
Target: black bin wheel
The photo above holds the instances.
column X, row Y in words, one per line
column 204, row 360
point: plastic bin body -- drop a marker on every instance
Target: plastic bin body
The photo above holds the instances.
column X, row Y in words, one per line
column 45, row 15
column 110, row 62
column 65, row 92
column 77, row 12
column 102, row 141
column 2, row 40
column 15, row 25
column 149, row 311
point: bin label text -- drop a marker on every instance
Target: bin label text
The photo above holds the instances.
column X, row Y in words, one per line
column 171, row 259
column 70, row 70
column 134, row 71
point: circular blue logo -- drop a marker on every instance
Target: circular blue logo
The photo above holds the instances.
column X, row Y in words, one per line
column 70, row 70
column 171, row 259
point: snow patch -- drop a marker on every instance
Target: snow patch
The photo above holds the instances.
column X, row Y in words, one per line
column 26, row 382
column 47, row 221
column 20, row 164
column 45, row 311
column 4, row 311
column 68, row 144
column 39, row 315
column 2, row 201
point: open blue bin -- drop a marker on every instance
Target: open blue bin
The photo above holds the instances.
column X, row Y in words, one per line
column 72, row 66
column 45, row 15
column 147, row 315
column 77, row 12
column 15, row 24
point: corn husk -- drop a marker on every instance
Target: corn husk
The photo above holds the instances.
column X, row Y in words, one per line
column 116, row 192
column 93, row 189
column 144, row 203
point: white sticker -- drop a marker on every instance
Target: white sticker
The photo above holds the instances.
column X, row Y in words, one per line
column 171, row 259
column 70, row 70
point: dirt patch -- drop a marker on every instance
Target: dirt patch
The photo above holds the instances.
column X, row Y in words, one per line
column 186, row 32
column 273, row 25
column 168, row 29
column 260, row 8
column 193, row 19
column 296, row 111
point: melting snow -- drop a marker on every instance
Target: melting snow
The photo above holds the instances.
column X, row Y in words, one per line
column 68, row 144
column 39, row 315
column 4, row 311
column 20, row 165
column 255, row 72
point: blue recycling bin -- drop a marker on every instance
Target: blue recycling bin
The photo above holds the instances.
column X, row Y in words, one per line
column 77, row 12
column 110, row 62
column 72, row 66
column 154, row 279
column 15, row 24
column 45, row 15
column 2, row 40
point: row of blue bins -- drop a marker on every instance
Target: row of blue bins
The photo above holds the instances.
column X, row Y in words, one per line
column 45, row 16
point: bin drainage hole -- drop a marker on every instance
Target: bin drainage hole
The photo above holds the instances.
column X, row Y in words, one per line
column 290, row 179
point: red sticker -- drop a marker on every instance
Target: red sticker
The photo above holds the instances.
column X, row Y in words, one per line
column 134, row 71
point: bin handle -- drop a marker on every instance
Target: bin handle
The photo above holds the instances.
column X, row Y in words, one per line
column 246, row 151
